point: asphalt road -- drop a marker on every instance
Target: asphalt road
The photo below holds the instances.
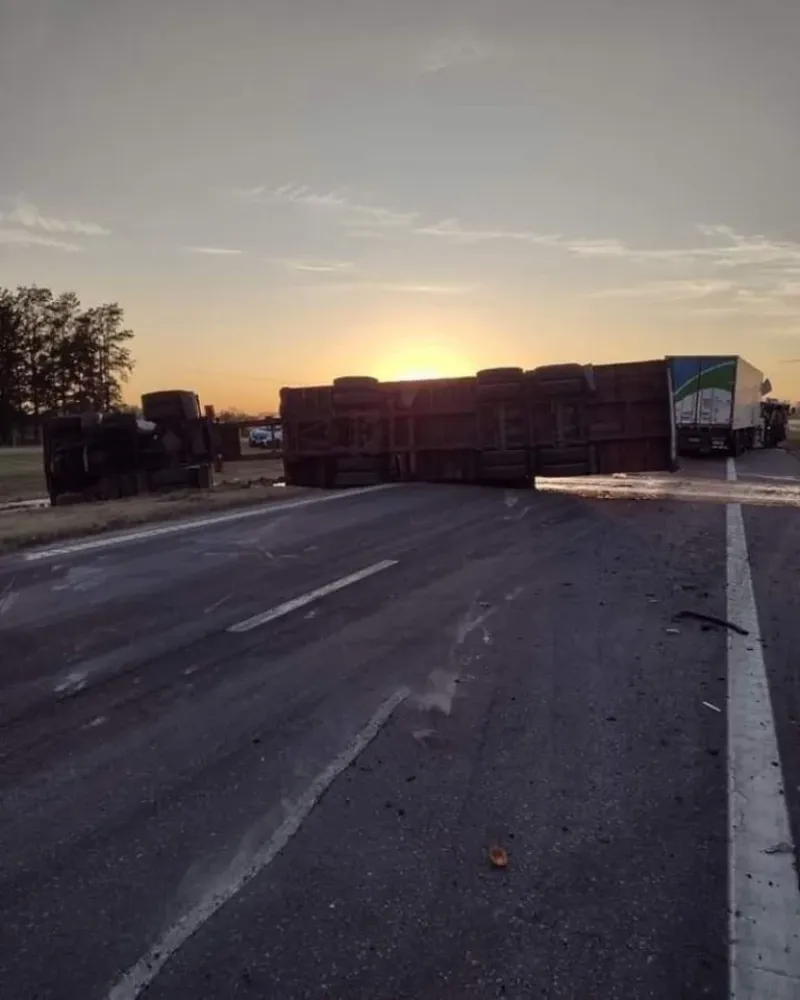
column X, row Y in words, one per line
column 222, row 777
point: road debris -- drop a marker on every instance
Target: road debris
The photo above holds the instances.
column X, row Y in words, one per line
column 713, row 708
column 429, row 739
column 673, row 631
column 498, row 857
column 779, row 848
column 217, row 604
column 7, row 597
column 712, row 619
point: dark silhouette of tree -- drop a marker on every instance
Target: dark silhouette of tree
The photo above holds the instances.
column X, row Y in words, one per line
column 12, row 367
column 56, row 357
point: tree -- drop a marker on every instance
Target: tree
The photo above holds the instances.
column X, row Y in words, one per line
column 12, row 360
column 33, row 306
column 57, row 357
column 61, row 371
column 101, row 358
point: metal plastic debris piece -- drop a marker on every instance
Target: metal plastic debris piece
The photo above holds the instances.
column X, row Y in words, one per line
column 498, row 857
column 713, row 619
column 781, row 848
column 714, row 708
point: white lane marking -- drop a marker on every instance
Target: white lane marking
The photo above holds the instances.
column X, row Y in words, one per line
column 133, row 982
column 313, row 595
column 763, row 895
column 107, row 541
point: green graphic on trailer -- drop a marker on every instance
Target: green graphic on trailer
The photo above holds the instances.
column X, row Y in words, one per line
column 703, row 395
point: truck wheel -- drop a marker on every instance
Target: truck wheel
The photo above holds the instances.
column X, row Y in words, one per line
column 355, row 382
column 499, row 376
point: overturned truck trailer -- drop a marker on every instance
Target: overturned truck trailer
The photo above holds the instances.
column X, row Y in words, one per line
column 503, row 426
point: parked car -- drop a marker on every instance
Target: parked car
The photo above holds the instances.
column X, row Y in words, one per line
column 258, row 438
column 266, row 437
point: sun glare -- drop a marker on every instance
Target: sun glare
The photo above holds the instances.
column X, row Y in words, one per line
column 423, row 362
column 412, row 374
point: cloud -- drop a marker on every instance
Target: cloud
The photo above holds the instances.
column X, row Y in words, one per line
column 25, row 238
column 453, row 229
column 401, row 287
column 356, row 214
column 730, row 248
column 722, row 272
column 675, row 290
column 312, row 266
column 739, row 250
column 422, row 288
column 463, row 48
column 214, row 251
column 247, row 194
column 27, row 215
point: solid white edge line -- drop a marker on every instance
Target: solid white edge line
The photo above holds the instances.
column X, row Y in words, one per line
column 107, row 541
column 763, row 893
column 133, row 982
column 313, row 595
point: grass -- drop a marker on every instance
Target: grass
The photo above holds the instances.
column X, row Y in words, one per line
column 241, row 484
column 21, row 474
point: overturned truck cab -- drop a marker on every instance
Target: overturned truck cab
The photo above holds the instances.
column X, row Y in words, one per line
column 503, row 426
column 92, row 456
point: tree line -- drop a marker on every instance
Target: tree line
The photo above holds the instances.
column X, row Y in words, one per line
column 57, row 356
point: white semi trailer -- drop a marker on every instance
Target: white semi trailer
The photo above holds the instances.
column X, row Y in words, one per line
column 717, row 404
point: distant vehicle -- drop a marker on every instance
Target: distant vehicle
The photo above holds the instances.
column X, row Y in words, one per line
column 266, row 437
column 258, row 437
column 775, row 416
column 718, row 405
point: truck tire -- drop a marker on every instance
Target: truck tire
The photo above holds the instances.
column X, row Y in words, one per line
column 355, row 382
column 499, row 376
column 355, row 391
column 558, row 380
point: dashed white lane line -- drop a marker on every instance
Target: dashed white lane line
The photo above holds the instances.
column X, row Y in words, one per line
column 142, row 534
column 763, row 894
column 136, row 980
column 313, row 595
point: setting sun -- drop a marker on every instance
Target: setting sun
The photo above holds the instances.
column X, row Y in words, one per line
column 413, row 374
column 423, row 362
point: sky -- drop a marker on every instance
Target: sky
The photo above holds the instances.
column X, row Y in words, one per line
column 282, row 191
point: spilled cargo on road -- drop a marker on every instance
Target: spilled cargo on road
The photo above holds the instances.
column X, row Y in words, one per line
column 501, row 426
